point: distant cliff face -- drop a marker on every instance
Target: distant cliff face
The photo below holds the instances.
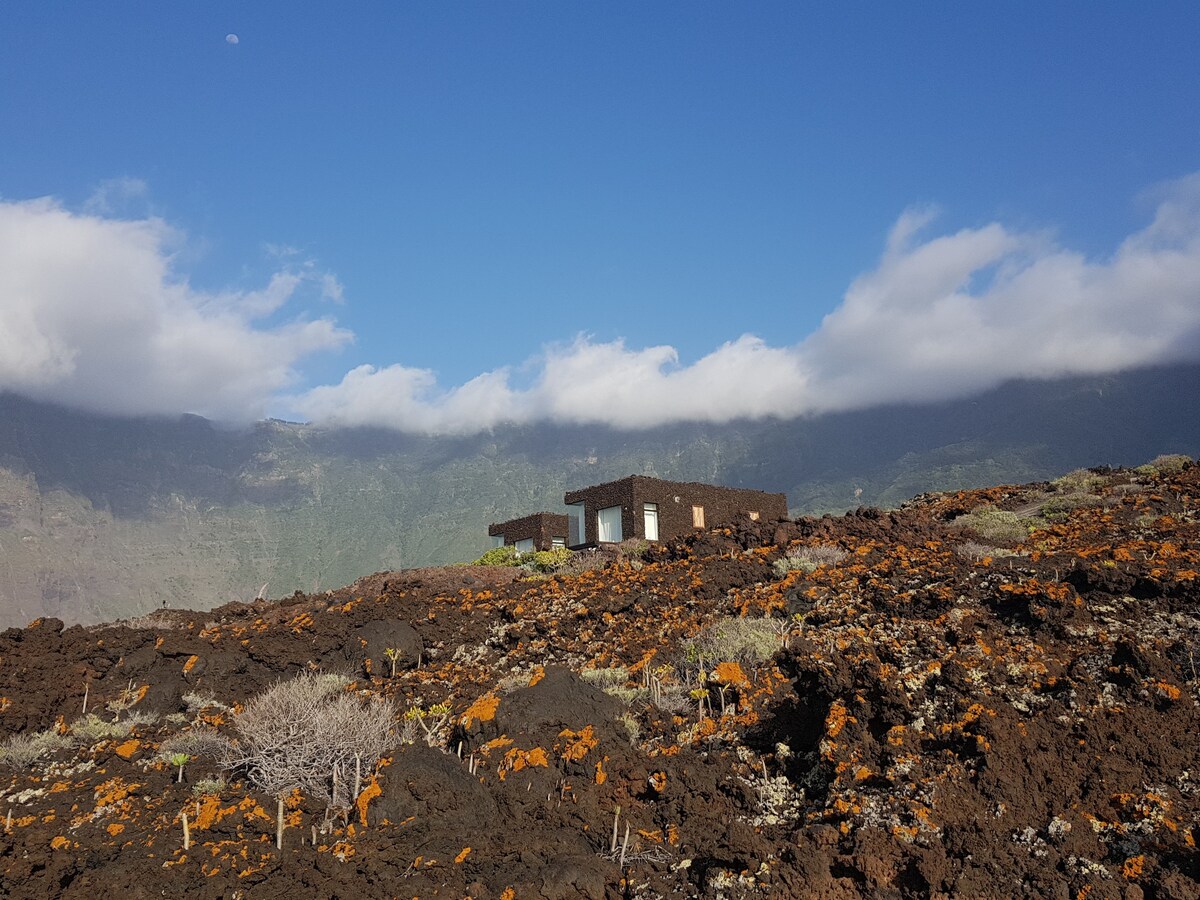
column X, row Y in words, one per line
column 103, row 518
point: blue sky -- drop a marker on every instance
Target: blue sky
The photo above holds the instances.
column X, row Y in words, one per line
column 589, row 212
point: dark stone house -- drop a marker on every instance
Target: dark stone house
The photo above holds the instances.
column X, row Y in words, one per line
column 658, row 510
column 539, row 531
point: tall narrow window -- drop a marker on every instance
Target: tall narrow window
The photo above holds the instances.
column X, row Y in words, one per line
column 575, row 534
column 697, row 516
column 608, row 525
column 650, row 515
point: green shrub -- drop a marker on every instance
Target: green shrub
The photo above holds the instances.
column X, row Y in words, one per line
column 1058, row 507
column 91, row 729
column 544, row 561
column 614, row 676
column 209, row 786
column 809, row 559
column 992, row 524
column 508, row 555
column 735, row 639
column 548, row 560
column 1168, row 464
column 1080, row 481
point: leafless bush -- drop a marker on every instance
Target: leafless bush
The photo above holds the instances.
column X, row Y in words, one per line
column 671, row 698
column 585, row 561
column 306, row 733
column 975, row 551
column 197, row 702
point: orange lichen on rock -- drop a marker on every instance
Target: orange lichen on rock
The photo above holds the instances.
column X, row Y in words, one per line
column 483, row 710
column 517, row 759
column 128, row 748
column 190, row 663
column 369, row 793
column 466, row 851
column 578, row 743
column 730, row 673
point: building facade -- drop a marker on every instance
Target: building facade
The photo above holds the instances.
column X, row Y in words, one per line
column 658, row 510
column 539, row 531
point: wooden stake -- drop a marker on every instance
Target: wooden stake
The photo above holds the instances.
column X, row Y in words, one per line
column 86, row 688
column 187, row 834
column 279, row 827
column 616, row 816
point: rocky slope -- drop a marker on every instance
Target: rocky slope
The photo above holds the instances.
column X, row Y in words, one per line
column 985, row 693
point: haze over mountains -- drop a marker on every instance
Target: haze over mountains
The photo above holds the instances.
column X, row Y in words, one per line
column 104, row 517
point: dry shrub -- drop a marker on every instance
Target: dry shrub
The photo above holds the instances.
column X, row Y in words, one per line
column 22, row 750
column 307, row 733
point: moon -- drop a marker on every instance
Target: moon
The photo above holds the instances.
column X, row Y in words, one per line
column 231, row 38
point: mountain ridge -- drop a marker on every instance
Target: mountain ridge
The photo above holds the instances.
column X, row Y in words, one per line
column 103, row 517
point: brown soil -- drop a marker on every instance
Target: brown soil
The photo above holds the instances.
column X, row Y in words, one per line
column 935, row 723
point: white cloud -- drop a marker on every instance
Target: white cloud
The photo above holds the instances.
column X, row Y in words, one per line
column 117, row 195
column 93, row 315
column 939, row 317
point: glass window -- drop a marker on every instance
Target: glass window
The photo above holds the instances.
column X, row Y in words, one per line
column 650, row 514
column 608, row 525
column 525, row 546
column 557, row 543
column 575, row 535
column 697, row 516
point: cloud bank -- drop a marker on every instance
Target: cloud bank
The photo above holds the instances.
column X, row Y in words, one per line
column 93, row 315
column 940, row 317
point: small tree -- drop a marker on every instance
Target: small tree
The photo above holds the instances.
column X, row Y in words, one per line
column 393, row 655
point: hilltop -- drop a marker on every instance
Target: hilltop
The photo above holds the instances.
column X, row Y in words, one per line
column 984, row 693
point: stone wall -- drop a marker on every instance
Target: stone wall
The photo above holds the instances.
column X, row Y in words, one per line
column 675, row 500
column 540, row 527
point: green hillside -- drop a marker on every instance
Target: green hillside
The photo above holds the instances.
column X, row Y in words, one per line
column 103, row 518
